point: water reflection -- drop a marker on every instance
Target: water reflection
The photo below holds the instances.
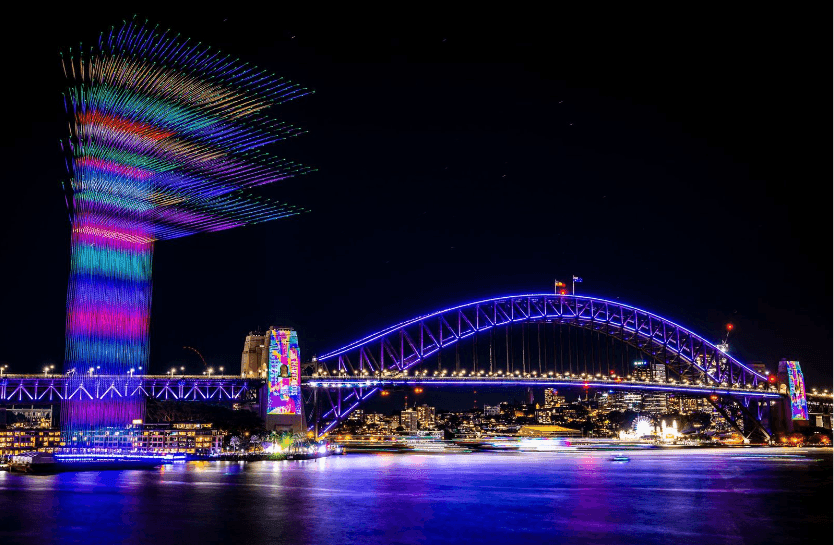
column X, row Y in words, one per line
column 750, row 496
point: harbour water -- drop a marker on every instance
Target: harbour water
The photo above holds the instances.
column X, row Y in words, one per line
column 715, row 496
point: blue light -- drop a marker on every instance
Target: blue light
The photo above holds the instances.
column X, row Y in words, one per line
column 391, row 329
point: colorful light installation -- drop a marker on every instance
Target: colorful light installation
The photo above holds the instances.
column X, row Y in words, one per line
column 284, row 373
column 165, row 141
column 796, row 384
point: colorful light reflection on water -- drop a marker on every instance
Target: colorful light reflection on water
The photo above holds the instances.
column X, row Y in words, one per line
column 716, row 496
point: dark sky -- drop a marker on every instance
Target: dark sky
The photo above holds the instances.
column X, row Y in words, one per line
column 677, row 161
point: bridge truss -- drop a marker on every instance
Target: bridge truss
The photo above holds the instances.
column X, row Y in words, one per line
column 608, row 327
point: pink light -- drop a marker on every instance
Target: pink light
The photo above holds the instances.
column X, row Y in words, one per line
column 104, row 321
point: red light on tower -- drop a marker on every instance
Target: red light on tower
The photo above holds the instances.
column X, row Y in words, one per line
column 771, row 378
column 729, row 327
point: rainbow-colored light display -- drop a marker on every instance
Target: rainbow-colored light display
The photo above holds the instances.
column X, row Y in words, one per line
column 165, row 139
column 796, row 384
column 284, row 373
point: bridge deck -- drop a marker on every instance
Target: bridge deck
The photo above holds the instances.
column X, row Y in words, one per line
column 540, row 382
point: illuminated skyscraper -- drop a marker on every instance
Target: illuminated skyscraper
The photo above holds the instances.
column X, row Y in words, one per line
column 164, row 142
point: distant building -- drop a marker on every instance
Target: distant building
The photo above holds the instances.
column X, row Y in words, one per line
column 492, row 410
column 409, row 420
column 655, row 403
column 425, row 414
column 374, row 418
column 654, row 371
column 625, row 401
column 758, row 367
column 36, row 417
column 551, row 399
column 356, row 416
column 548, row 415
column 684, row 404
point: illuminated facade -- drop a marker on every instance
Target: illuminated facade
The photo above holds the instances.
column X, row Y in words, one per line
column 796, row 385
column 17, row 441
column 165, row 142
column 179, row 437
column 284, row 373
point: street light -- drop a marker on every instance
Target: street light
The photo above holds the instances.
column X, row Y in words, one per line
column 210, row 370
column 3, row 368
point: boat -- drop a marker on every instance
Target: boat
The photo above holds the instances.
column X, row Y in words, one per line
column 620, row 458
column 33, row 462
column 310, row 452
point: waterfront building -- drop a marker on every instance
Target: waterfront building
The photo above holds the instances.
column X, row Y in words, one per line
column 16, row 441
column 111, row 438
column 179, row 437
column 357, row 416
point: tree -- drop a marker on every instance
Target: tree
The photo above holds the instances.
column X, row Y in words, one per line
column 234, row 442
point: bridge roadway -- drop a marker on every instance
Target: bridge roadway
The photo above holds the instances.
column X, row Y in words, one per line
column 53, row 388
column 368, row 383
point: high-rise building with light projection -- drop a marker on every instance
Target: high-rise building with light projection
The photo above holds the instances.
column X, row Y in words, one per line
column 166, row 140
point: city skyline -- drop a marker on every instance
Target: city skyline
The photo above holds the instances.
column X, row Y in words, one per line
column 609, row 148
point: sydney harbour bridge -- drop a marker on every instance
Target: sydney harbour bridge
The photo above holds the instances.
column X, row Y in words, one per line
column 537, row 341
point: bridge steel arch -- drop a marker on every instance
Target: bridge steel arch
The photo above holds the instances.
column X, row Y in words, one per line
column 400, row 347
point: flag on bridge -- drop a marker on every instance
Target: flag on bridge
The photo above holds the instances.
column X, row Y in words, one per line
column 577, row 279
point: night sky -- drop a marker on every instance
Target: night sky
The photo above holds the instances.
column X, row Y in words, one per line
column 671, row 159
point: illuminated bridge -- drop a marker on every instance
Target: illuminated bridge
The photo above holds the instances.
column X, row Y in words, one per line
column 536, row 341
column 541, row 340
